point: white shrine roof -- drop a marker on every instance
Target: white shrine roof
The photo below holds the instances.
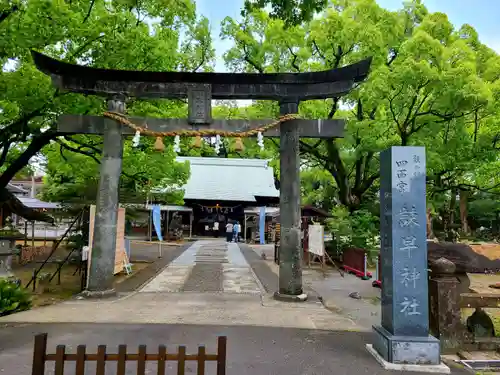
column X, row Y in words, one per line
column 229, row 179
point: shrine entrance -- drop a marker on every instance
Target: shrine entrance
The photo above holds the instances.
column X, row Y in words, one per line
column 117, row 86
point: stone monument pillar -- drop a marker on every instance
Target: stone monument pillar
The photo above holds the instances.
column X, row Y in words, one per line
column 403, row 337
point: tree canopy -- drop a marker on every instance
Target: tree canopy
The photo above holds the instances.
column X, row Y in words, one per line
column 116, row 34
column 430, row 84
column 292, row 12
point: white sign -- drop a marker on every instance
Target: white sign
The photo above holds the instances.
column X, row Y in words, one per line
column 316, row 240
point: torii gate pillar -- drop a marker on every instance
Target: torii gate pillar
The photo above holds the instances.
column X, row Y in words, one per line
column 290, row 267
column 100, row 280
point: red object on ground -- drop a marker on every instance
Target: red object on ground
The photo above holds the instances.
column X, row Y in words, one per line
column 354, row 262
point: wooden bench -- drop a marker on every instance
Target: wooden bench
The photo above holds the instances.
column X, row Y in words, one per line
column 40, row 358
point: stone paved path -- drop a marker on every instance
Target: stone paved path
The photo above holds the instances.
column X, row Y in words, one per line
column 207, row 266
column 211, row 283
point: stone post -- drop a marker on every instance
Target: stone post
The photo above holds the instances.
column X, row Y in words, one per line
column 104, row 241
column 403, row 337
column 444, row 306
column 290, row 256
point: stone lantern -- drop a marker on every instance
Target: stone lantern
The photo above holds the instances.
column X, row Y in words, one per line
column 8, row 237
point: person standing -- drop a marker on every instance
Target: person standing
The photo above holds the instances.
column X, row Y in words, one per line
column 229, row 231
column 216, row 229
column 236, row 231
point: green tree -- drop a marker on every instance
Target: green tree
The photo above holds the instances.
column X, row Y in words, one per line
column 420, row 84
column 72, row 172
column 116, row 34
column 430, row 84
column 293, row 12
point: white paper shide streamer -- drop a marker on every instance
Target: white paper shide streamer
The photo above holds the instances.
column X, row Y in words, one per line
column 217, row 144
column 260, row 141
column 137, row 139
column 177, row 144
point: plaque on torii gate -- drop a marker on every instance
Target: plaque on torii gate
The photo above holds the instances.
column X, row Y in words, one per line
column 289, row 89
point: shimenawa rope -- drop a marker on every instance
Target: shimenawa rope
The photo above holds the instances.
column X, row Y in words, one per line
column 197, row 133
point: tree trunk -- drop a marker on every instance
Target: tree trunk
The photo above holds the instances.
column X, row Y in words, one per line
column 464, row 195
column 430, row 233
column 453, row 205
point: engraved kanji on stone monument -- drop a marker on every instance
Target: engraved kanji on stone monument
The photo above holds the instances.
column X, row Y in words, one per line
column 404, row 334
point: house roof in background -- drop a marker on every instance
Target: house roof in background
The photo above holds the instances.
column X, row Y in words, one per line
column 15, row 189
column 36, row 203
column 229, row 179
column 18, row 180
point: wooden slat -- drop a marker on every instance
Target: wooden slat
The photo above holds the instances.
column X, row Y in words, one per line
column 101, row 360
column 131, row 357
column 221, row 355
column 59, row 363
column 162, row 357
column 122, row 360
column 200, row 370
column 80, row 360
column 141, row 361
column 39, row 356
column 181, row 363
column 473, row 300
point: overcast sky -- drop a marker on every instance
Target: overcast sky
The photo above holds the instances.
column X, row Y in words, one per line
column 483, row 15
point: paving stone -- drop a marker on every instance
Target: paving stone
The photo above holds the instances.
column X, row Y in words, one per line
column 204, row 277
column 171, row 279
column 205, row 267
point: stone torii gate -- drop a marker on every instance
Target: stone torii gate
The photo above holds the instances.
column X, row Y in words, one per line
column 200, row 88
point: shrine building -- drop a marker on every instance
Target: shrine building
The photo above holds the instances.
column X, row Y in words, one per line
column 221, row 189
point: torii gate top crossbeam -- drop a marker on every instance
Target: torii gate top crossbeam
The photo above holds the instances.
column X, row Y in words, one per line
column 140, row 84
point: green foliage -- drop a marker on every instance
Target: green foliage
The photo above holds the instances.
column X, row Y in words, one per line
column 119, row 35
column 72, row 177
column 358, row 229
column 13, row 298
column 430, row 84
column 293, row 12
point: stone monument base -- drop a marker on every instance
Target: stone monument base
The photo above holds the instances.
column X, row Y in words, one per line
column 407, row 350
column 439, row 369
column 290, row 298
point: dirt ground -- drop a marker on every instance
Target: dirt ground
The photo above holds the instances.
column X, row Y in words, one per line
column 489, row 250
column 49, row 293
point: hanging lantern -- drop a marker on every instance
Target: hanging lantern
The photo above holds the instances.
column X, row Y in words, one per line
column 238, row 144
column 197, row 142
column 159, row 145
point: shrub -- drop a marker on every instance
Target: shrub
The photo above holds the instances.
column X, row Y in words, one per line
column 357, row 229
column 13, row 298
